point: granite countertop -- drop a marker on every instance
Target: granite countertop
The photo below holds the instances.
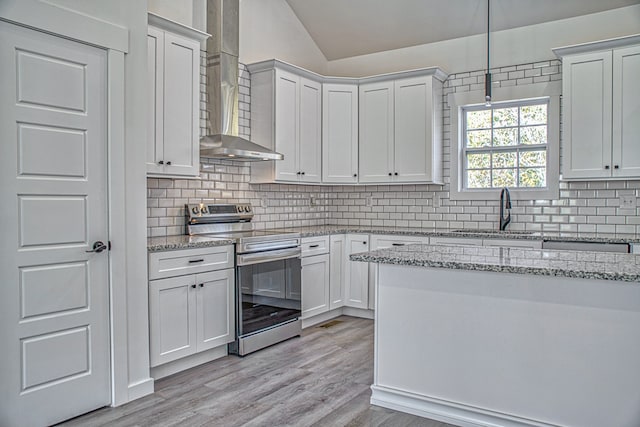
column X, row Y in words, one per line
column 169, row 243
column 323, row 230
column 576, row 264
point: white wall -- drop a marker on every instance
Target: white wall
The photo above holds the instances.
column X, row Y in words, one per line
column 269, row 29
column 516, row 46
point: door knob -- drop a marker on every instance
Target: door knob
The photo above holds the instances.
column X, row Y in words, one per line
column 98, row 247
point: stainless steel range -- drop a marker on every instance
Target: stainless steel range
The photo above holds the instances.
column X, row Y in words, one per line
column 267, row 274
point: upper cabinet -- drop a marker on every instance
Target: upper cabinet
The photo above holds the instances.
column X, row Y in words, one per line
column 601, row 109
column 173, row 67
column 401, row 129
column 340, row 133
column 286, row 116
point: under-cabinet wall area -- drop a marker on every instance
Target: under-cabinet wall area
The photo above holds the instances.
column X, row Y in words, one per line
column 584, row 206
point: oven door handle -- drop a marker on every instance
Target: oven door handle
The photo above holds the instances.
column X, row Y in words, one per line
column 267, row 256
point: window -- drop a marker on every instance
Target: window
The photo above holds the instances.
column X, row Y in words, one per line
column 505, row 145
column 514, row 143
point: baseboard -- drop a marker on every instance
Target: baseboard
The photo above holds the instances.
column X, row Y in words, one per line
column 444, row 411
column 358, row 312
column 188, row 362
column 140, row 389
column 321, row 318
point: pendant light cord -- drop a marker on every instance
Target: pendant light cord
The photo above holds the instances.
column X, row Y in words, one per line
column 487, row 77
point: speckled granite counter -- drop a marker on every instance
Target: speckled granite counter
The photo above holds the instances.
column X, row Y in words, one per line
column 323, row 230
column 586, row 265
column 169, row 243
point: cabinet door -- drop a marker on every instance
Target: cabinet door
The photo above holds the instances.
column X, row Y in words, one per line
column 586, row 89
column 626, row 112
column 340, row 133
column 356, row 273
column 310, row 138
column 412, row 129
column 155, row 95
column 337, row 259
column 315, row 285
column 181, row 105
column 172, row 318
column 376, row 132
column 215, row 308
column 287, row 120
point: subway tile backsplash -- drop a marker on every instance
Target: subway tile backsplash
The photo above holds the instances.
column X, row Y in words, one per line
column 592, row 206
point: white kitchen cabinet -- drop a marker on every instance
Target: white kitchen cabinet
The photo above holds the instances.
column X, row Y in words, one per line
column 601, row 100
column 383, row 241
column 400, row 130
column 356, row 273
column 315, row 285
column 173, row 82
column 286, row 116
column 190, row 313
column 337, row 261
column 340, row 133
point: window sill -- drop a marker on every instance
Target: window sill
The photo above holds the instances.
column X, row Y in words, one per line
column 516, row 194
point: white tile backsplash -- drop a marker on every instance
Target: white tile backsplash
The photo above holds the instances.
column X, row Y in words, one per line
column 591, row 206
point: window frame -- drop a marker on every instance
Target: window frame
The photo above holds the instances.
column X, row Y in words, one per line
column 548, row 92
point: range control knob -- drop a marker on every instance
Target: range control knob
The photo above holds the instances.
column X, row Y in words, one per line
column 248, row 209
column 204, row 210
column 195, row 210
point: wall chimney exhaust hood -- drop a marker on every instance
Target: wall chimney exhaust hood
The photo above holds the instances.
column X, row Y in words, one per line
column 222, row 88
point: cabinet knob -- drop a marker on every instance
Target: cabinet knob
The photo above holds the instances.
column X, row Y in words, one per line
column 355, row 175
column 298, row 173
column 201, row 285
column 364, row 243
column 390, row 174
column 168, row 163
column 302, row 173
column 396, row 173
column 161, row 162
column 606, row 166
column 193, row 286
column 616, row 167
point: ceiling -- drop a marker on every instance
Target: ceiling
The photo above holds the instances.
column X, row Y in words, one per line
column 345, row 28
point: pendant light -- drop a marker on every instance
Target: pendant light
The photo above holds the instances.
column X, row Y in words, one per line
column 487, row 77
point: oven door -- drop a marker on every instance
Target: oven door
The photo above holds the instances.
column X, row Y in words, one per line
column 268, row 290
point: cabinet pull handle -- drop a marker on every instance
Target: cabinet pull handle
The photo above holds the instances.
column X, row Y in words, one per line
column 397, row 244
column 169, row 163
column 313, row 246
column 161, row 162
column 193, row 261
column 616, row 167
column 606, row 166
column 193, row 286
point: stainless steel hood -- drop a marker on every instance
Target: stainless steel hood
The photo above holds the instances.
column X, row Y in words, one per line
column 222, row 88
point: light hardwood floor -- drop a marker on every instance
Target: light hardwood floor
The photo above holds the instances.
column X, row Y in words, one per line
column 319, row 379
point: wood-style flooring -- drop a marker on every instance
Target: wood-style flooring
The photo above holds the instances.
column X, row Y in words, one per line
column 319, row 379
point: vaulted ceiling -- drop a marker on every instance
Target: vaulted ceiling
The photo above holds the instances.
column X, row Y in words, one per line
column 345, row 28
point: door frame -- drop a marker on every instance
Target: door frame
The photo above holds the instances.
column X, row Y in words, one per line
column 87, row 29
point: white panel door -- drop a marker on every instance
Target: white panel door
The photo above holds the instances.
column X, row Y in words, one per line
column 315, row 285
column 356, row 273
column 337, row 260
column 586, row 90
column 310, row 138
column 181, row 111
column 155, row 94
column 412, row 129
column 172, row 318
column 53, row 186
column 340, row 133
column 376, row 132
column 626, row 112
column 215, row 308
column 287, row 125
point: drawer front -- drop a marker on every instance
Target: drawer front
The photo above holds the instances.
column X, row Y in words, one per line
column 188, row 261
column 387, row 241
column 513, row 243
column 455, row 241
column 315, row 245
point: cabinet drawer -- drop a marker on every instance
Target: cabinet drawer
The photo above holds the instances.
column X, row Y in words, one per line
column 455, row 241
column 315, row 245
column 188, row 261
column 513, row 243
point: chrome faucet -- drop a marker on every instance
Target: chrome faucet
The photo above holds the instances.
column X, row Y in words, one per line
column 505, row 203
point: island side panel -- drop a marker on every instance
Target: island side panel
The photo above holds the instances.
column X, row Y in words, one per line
column 535, row 350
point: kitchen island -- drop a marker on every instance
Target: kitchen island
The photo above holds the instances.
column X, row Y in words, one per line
column 490, row 336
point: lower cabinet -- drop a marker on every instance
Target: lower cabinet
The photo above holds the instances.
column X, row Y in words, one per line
column 190, row 313
column 337, row 261
column 356, row 273
column 315, row 285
